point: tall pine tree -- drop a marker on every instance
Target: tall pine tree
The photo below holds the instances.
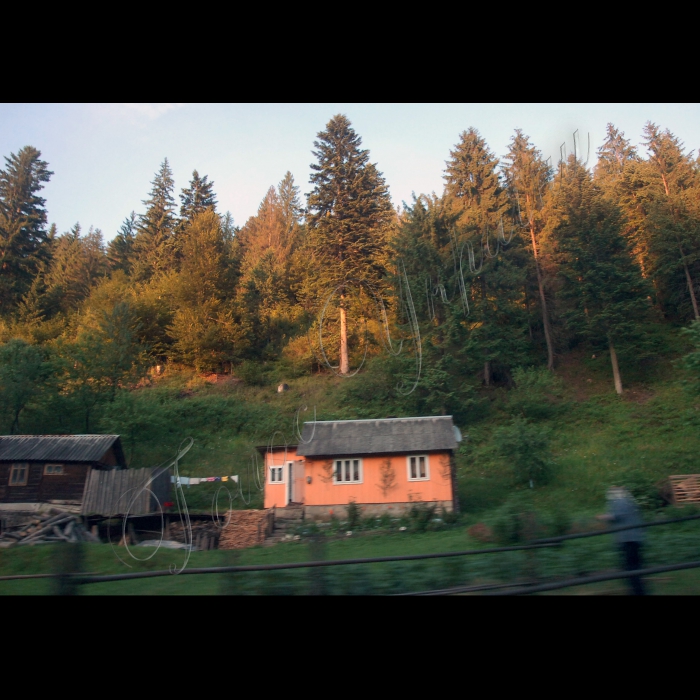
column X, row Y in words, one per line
column 603, row 295
column 528, row 179
column 153, row 245
column 350, row 218
column 120, row 248
column 196, row 198
column 479, row 204
column 23, row 234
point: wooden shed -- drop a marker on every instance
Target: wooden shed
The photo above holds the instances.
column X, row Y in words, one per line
column 54, row 468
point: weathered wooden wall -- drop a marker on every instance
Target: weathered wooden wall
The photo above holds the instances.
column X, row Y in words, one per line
column 118, row 491
column 44, row 487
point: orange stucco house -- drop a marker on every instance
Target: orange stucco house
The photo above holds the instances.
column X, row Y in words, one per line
column 383, row 465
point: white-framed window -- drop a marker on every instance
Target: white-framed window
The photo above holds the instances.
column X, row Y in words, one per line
column 277, row 474
column 418, row 467
column 52, row 469
column 347, row 471
column 19, row 474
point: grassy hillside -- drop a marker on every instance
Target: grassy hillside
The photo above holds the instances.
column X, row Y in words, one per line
column 587, row 437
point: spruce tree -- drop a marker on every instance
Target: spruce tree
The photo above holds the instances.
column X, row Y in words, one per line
column 350, row 218
column 120, row 249
column 479, row 206
column 528, row 179
column 615, row 153
column 603, row 295
column 153, row 245
column 23, row 235
column 197, row 197
column 675, row 225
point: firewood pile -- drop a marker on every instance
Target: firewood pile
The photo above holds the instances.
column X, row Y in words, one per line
column 205, row 533
column 54, row 526
column 246, row 528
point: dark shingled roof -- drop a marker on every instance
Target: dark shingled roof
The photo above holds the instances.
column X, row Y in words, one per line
column 60, row 448
column 363, row 437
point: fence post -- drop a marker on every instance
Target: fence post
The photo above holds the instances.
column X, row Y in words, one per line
column 68, row 559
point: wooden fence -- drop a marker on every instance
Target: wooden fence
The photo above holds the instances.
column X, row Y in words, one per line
column 685, row 488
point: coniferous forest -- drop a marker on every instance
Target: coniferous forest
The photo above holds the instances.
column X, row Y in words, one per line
column 433, row 307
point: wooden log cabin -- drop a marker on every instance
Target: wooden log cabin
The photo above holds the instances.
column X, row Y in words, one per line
column 54, row 468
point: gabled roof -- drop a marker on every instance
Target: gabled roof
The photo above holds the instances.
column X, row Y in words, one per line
column 387, row 435
column 60, row 448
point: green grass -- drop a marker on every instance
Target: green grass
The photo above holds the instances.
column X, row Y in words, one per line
column 666, row 544
column 598, row 439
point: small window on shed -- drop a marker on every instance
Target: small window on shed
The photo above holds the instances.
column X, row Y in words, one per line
column 19, row 474
column 54, row 469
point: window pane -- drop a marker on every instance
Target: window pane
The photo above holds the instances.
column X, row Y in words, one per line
column 413, row 467
column 356, row 469
column 422, row 467
column 347, row 470
column 338, row 471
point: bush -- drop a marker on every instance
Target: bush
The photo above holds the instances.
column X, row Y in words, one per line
column 517, row 522
column 420, row 516
column 643, row 487
column 354, row 515
column 252, row 373
column 481, row 533
column 537, row 394
column 525, row 447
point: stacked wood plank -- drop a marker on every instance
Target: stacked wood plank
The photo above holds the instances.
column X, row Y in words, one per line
column 205, row 533
column 685, row 488
column 246, row 528
column 55, row 526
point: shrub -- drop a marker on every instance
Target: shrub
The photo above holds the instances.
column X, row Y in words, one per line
column 354, row 515
column 481, row 533
column 526, row 448
column 536, row 395
column 643, row 487
column 517, row 523
column 420, row 515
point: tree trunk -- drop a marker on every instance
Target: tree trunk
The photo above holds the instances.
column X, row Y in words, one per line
column 615, row 369
column 487, row 373
column 693, row 299
column 344, row 364
column 545, row 314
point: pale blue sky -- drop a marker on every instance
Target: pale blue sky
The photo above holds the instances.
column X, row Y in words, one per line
column 104, row 156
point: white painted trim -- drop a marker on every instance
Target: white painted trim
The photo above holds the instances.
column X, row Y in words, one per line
column 427, row 468
column 349, row 459
column 269, row 474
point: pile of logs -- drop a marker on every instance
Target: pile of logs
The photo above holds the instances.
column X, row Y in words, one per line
column 50, row 527
column 246, row 528
column 205, row 533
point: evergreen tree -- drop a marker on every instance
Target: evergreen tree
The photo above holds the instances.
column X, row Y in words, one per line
column 77, row 264
column 674, row 223
column 603, row 294
column 528, row 178
column 271, row 269
column 23, row 373
column 204, row 327
column 350, row 218
column 120, row 248
column 23, row 235
column 615, row 153
column 478, row 203
column 153, row 244
column 197, row 197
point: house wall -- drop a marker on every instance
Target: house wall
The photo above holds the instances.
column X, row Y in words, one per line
column 275, row 494
column 322, row 493
column 40, row 487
